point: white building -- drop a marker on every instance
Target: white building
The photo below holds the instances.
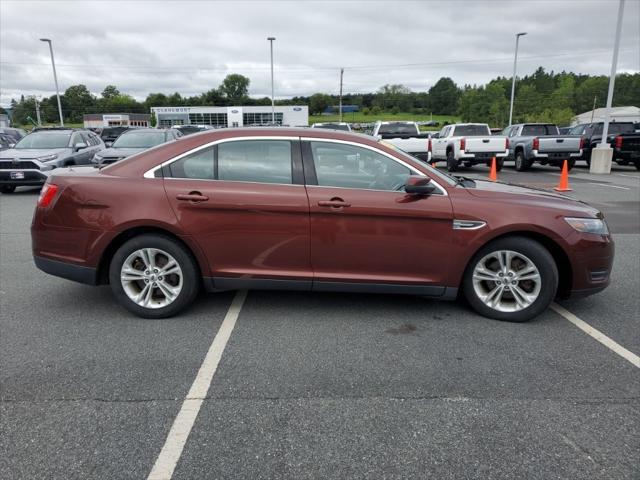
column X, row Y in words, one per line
column 100, row 120
column 618, row 114
column 246, row 116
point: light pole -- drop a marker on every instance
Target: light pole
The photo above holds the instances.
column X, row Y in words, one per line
column 513, row 80
column 273, row 108
column 602, row 155
column 55, row 78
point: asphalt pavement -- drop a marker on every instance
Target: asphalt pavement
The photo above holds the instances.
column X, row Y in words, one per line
column 322, row 385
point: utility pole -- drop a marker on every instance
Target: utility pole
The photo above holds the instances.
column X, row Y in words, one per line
column 601, row 155
column 340, row 105
column 55, row 79
column 273, row 105
column 513, row 80
column 38, row 112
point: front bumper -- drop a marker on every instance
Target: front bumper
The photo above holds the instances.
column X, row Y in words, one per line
column 591, row 262
column 20, row 178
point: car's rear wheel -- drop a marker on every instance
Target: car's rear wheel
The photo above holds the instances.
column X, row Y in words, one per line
column 521, row 163
column 512, row 279
column 570, row 164
column 452, row 163
column 499, row 164
column 154, row 276
column 637, row 164
column 8, row 188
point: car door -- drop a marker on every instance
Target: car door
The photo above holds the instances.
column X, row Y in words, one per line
column 365, row 229
column 439, row 147
column 244, row 202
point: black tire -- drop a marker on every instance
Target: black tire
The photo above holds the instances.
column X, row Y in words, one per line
column 538, row 255
column 499, row 164
column 190, row 275
column 521, row 163
column 452, row 163
column 570, row 164
column 7, row 188
column 637, row 163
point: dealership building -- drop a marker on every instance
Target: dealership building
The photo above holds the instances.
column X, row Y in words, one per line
column 247, row 116
column 101, row 120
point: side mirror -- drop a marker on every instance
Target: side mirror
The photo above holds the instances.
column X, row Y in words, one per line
column 108, row 144
column 418, row 185
column 11, row 145
column 79, row 146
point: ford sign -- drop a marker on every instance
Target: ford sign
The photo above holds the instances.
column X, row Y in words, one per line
column 297, row 109
column 234, row 111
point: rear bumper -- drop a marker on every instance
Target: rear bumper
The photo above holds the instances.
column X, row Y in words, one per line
column 77, row 273
column 535, row 154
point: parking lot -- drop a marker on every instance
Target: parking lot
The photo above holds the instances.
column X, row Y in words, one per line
column 322, row 385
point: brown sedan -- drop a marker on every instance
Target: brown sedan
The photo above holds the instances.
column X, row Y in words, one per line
column 313, row 210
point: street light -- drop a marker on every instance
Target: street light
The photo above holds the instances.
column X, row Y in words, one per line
column 513, row 80
column 55, row 78
column 273, row 108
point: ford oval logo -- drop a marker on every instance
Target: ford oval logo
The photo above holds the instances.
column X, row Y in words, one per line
column 297, row 109
column 234, row 111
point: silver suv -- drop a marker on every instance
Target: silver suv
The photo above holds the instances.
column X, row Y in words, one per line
column 37, row 154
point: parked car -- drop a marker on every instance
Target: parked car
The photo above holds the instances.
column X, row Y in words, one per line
column 189, row 129
column 111, row 134
column 621, row 136
column 15, row 133
column 345, row 127
column 406, row 136
column 315, row 210
column 468, row 144
column 6, row 141
column 542, row 143
column 135, row 141
column 564, row 130
column 36, row 155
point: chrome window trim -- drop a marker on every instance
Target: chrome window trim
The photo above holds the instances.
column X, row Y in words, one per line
column 151, row 172
column 443, row 191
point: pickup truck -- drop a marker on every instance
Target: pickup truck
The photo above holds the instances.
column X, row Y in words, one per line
column 468, row 143
column 621, row 136
column 542, row 143
column 404, row 135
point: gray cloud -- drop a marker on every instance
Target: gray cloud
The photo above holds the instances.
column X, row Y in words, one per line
column 190, row 46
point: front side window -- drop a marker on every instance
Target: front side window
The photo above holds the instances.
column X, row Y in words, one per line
column 264, row 161
column 349, row 166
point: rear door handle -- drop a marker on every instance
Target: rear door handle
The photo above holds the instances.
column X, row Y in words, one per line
column 334, row 203
column 194, row 197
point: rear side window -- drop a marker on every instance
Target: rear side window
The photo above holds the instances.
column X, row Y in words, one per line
column 264, row 161
column 198, row 165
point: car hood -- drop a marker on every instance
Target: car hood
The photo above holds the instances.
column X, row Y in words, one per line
column 33, row 153
column 514, row 193
column 119, row 152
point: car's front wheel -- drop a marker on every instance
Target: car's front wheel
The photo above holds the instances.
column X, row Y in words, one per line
column 512, row 279
column 154, row 276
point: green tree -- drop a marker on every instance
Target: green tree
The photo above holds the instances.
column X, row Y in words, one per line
column 444, row 97
column 235, row 87
column 592, row 88
column 318, row 102
column 77, row 100
column 110, row 91
column 153, row 121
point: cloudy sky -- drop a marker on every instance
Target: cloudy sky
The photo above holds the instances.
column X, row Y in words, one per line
column 190, row 46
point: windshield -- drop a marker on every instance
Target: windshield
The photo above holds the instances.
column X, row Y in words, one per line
column 139, row 140
column 539, row 130
column 471, row 131
column 409, row 128
column 44, row 140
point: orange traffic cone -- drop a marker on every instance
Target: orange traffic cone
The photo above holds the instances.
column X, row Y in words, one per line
column 563, row 186
column 493, row 174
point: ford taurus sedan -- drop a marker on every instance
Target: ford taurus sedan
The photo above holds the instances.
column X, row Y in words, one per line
column 312, row 210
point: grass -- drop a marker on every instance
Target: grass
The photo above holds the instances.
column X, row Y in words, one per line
column 359, row 117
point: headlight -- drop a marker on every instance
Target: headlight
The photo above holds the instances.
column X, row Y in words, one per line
column 588, row 225
column 47, row 158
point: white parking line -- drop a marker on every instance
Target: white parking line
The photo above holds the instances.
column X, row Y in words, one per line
column 183, row 423
column 609, row 185
column 598, row 335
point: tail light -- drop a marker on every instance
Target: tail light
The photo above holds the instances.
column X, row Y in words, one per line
column 581, row 143
column 506, row 144
column 618, row 141
column 463, row 144
column 536, row 143
column 429, row 146
column 47, row 194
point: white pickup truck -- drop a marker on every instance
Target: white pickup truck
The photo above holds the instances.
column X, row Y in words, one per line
column 404, row 135
column 468, row 144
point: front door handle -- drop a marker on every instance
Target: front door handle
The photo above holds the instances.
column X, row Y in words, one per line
column 194, row 197
column 334, row 203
